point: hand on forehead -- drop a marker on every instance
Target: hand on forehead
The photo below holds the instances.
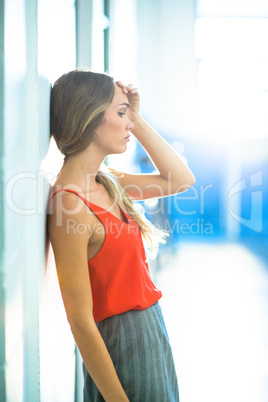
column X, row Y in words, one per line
column 126, row 88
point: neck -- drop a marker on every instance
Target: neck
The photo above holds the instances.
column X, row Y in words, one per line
column 80, row 170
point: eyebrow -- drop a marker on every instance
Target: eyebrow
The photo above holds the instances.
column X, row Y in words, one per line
column 124, row 104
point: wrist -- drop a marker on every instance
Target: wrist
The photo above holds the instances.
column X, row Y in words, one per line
column 138, row 124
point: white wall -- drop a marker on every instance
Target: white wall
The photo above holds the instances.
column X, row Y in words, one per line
column 37, row 359
column 56, row 48
column 2, row 288
column 21, row 253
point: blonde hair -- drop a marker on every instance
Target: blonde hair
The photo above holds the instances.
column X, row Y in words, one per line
column 152, row 236
column 78, row 103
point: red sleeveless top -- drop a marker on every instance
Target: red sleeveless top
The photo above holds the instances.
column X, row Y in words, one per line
column 119, row 274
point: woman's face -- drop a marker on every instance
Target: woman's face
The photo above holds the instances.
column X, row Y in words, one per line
column 113, row 134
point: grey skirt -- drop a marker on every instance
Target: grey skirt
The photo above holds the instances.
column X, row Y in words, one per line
column 140, row 350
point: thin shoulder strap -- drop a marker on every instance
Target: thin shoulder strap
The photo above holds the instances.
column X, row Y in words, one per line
column 70, row 191
column 94, row 208
column 61, row 189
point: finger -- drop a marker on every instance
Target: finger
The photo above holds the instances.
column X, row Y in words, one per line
column 126, row 89
column 122, row 86
column 133, row 91
column 119, row 83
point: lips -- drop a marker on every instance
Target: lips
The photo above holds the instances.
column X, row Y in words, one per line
column 127, row 137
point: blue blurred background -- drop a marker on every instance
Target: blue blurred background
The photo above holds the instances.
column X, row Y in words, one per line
column 201, row 67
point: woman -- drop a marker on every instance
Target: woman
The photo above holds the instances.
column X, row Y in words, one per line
column 96, row 234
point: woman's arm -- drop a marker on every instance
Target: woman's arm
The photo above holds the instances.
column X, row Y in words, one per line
column 174, row 175
column 70, row 251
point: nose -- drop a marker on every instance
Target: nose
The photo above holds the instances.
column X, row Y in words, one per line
column 130, row 125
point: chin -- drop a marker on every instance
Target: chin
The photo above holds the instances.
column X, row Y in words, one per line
column 118, row 151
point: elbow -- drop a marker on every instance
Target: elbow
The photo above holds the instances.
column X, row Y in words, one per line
column 192, row 180
column 185, row 184
column 82, row 330
column 189, row 181
column 81, row 324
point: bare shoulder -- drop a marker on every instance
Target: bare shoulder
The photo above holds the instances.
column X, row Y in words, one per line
column 66, row 210
column 67, row 201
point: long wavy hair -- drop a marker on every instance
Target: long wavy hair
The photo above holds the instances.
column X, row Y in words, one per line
column 78, row 103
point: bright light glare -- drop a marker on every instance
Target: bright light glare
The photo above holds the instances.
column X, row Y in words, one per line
column 56, row 38
column 215, row 305
column 227, row 75
column 99, row 23
column 228, row 114
column 232, row 101
column 245, row 8
column 236, row 38
column 123, row 41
